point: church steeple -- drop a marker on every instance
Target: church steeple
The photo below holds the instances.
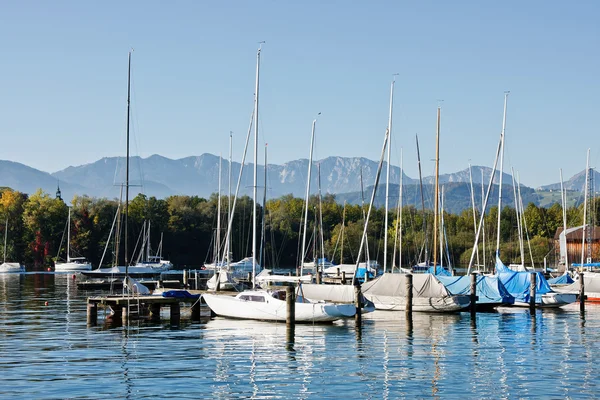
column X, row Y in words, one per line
column 58, row 193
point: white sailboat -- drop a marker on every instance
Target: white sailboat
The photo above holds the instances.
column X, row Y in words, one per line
column 263, row 304
column 72, row 264
column 120, row 271
column 9, row 267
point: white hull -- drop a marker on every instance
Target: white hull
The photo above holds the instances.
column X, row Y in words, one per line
column 420, row 304
column 72, row 266
column 11, row 268
column 551, row 300
column 273, row 309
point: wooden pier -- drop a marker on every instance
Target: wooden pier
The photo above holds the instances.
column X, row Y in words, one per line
column 125, row 308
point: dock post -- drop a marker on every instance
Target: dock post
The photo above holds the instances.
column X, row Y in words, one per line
column 359, row 305
column 92, row 314
column 474, row 298
column 117, row 312
column 581, row 292
column 155, row 312
column 409, row 295
column 196, row 280
column 290, row 298
column 196, row 311
column 343, row 277
column 338, row 272
column 218, row 288
column 185, row 279
column 175, row 313
column 532, row 290
column 125, row 313
column 319, row 277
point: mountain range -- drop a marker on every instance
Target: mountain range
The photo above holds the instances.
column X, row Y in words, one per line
column 199, row 175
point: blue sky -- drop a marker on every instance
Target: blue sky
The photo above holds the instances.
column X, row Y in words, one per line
column 63, row 80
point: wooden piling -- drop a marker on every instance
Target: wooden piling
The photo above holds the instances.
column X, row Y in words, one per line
column 117, row 312
column 338, row 272
column 409, row 295
column 175, row 313
column 125, row 313
column 290, row 298
column 196, row 311
column 581, row 292
column 319, row 277
column 92, row 314
column 155, row 312
column 343, row 277
column 196, row 286
column 218, row 279
column 359, row 305
column 532, row 292
column 474, row 298
column 185, row 279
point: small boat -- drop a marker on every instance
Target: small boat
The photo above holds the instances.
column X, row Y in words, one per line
column 73, row 264
column 490, row 290
column 518, row 285
column 388, row 292
column 136, row 271
column 592, row 287
column 271, row 305
column 228, row 275
column 9, row 267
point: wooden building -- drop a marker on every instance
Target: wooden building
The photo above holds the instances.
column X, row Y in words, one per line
column 571, row 247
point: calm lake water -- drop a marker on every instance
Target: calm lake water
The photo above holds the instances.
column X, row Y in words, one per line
column 49, row 352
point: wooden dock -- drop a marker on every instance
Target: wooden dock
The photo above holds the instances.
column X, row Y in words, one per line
column 125, row 308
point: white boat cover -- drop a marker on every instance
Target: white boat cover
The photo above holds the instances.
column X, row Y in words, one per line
column 388, row 292
column 332, row 293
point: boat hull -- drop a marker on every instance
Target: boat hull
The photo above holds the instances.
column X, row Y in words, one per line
column 11, row 268
column 119, row 272
column 420, row 304
column 551, row 300
column 72, row 267
column 274, row 309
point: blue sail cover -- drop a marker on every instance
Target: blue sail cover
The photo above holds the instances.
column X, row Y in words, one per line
column 517, row 283
column 564, row 279
column 490, row 289
column 438, row 270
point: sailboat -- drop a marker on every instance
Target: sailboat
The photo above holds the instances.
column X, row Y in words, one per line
column 136, row 271
column 9, row 267
column 73, row 263
column 263, row 304
column 146, row 259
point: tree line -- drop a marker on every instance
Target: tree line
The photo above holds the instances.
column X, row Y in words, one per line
column 36, row 230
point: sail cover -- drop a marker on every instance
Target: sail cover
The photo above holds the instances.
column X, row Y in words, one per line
column 518, row 283
column 388, row 284
column 438, row 270
column 564, row 279
column 489, row 288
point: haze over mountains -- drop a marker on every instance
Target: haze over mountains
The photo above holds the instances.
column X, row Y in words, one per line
column 198, row 175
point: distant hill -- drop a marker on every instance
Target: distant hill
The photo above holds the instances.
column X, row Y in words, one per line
column 575, row 183
column 199, row 175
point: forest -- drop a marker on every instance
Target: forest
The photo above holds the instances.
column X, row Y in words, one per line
column 36, row 224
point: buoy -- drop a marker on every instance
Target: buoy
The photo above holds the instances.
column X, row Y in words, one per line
column 49, row 269
column 46, row 303
column 74, row 276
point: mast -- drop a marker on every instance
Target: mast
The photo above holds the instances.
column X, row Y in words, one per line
column 585, row 200
column 228, row 240
column 312, row 141
column 148, row 243
column 343, row 225
column 483, row 218
column 127, row 167
column 362, row 193
column 398, row 233
column 501, row 173
column 5, row 236
column 320, row 217
column 255, row 168
column 387, row 180
column 563, row 197
column 422, row 203
column 264, row 211
column 437, row 177
column 524, row 223
column 69, row 236
column 473, row 207
column 518, row 211
column 218, row 236
column 363, row 241
column 441, row 230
